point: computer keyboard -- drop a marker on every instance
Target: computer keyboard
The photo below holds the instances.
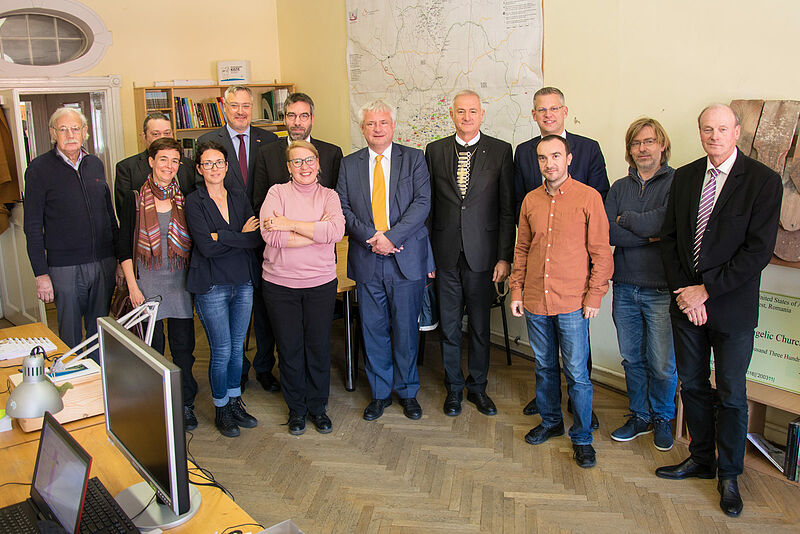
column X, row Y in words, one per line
column 102, row 514
column 16, row 519
column 17, row 347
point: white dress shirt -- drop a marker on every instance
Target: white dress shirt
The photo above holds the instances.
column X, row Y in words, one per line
column 386, row 163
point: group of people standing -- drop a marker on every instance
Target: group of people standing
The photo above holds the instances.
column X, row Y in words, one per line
column 688, row 243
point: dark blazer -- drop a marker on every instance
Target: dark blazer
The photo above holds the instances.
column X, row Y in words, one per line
column 271, row 167
column 132, row 173
column 233, row 179
column 737, row 244
column 209, row 256
column 409, row 202
column 483, row 222
column 588, row 167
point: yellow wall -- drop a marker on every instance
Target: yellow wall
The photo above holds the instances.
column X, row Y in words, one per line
column 166, row 40
column 313, row 42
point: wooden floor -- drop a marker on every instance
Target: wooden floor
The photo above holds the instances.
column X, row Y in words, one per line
column 470, row 473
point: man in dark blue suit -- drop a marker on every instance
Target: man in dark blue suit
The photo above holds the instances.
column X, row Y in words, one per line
column 243, row 141
column 385, row 194
column 588, row 166
column 718, row 235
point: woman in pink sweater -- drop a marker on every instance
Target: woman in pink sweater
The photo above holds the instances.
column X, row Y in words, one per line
column 301, row 223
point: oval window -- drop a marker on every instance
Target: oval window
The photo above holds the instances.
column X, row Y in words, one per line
column 40, row 39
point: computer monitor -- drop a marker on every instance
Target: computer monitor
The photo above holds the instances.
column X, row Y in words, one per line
column 144, row 419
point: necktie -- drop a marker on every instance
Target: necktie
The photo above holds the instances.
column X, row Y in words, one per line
column 704, row 212
column 462, row 171
column 242, row 157
column 379, row 196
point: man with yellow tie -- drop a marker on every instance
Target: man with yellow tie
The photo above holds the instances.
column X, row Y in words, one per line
column 385, row 194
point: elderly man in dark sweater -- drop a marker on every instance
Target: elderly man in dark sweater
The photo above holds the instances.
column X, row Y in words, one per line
column 635, row 206
column 70, row 228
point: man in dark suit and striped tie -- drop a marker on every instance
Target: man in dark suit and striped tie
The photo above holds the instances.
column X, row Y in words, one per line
column 718, row 235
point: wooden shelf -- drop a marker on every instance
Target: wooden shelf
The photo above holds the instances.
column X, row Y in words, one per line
column 199, row 93
column 759, row 397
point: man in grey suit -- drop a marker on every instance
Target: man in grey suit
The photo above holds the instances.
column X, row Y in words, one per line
column 472, row 222
column 242, row 141
column 385, row 194
column 132, row 172
column 271, row 159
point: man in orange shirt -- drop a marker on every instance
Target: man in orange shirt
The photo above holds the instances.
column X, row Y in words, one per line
column 562, row 264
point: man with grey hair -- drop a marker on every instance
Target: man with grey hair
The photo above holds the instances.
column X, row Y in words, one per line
column 242, row 142
column 472, row 232
column 71, row 228
column 132, row 172
column 385, row 194
column 718, row 235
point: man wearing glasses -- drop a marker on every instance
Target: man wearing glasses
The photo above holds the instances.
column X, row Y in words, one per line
column 587, row 166
column 71, row 228
column 271, row 159
column 242, row 141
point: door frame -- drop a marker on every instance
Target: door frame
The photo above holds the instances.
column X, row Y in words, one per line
column 114, row 141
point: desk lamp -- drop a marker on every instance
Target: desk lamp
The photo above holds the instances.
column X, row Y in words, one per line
column 36, row 394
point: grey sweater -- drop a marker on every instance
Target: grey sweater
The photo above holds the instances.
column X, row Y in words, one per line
column 641, row 206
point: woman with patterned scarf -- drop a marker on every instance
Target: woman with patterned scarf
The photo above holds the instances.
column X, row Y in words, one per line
column 156, row 261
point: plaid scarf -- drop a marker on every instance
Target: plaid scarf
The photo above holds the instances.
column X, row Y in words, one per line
column 148, row 244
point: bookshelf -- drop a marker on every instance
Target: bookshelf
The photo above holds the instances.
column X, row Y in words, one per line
column 759, row 397
column 163, row 99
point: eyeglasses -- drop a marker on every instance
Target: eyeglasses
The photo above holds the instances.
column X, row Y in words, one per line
column 646, row 142
column 64, row 129
column 302, row 116
column 554, row 109
column 298, row 162
column 208, row 165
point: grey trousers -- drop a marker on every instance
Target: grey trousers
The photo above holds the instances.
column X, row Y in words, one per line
column 82, row 294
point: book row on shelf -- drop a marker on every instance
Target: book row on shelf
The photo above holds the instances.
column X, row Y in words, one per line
column 792, row 451
column 156, row 99
column 190, row 114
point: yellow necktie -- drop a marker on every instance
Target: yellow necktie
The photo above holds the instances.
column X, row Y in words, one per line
column 379, row 197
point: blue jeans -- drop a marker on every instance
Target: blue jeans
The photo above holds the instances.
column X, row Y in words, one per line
column 225, row 313
column 644, row 333
column 571, row 330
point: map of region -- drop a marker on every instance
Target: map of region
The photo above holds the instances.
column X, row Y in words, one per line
column 417, row 54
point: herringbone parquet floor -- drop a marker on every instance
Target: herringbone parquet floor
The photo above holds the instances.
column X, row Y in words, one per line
column 465, row 474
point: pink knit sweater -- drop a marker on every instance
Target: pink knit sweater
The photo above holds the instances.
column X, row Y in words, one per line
column 308, row 266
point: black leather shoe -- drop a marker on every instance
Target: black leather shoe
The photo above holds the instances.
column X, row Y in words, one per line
column 243, row 383
column 482, row 402
column 268, row 382
column 686, row 469
column 375, row 408
column 322, row 423
column 730, row 501
column 530, row 408
column 411, row 408
column 584, row 455
column 540, row 434
column 296, row 423
column 595, row 422
column 189, row 419
column 240, row 415
column 224, row 422
column 452, row 403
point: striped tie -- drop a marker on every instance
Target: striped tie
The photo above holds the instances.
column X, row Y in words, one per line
column 704, row 212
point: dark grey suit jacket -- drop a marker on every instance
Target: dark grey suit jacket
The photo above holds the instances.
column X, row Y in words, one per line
column 132, row 173
column 271, row 167
column 737, row 244
column 484, row 219
column 258, row 139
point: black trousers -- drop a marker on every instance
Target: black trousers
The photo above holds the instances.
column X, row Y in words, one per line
column 181, row 347
column 264, row 360
column 458, row 288
column 302, row 320
column 727, row 427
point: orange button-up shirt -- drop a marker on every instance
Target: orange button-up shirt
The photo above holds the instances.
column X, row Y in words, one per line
column 562, row 261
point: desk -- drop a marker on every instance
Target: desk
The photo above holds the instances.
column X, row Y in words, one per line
column 217, row 511
column 345, row 286
column 16, row 435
